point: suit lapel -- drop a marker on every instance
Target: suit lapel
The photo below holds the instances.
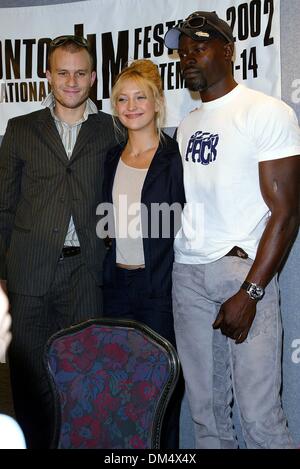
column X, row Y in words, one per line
column 158, row 164
column 49, row 133
column 88, row 130
column 111, row 168
column 51, row 136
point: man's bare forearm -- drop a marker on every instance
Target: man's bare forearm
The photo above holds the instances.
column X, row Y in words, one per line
column 274, row 245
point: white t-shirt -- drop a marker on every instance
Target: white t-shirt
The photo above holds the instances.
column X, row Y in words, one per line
column 221, row 144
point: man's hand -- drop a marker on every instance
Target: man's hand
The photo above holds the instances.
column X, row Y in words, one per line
column 5, row 322
column 236, row 316
column 3, row 286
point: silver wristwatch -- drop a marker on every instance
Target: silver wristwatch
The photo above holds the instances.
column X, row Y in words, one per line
column 254, row 291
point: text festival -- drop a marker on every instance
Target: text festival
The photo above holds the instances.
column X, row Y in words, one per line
column 23, row 62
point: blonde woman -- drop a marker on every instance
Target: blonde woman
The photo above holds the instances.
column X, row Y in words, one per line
column 142, row 172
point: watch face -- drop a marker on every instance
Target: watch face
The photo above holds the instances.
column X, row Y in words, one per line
column 256, row 292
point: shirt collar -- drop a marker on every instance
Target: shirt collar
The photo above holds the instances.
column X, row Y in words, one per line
column 90, row 108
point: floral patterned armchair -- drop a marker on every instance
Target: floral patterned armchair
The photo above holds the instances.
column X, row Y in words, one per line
column 111, row 381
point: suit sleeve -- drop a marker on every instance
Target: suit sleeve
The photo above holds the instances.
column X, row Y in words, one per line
column 10, row 186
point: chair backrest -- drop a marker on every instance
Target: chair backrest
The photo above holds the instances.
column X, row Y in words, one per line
column 111, row 380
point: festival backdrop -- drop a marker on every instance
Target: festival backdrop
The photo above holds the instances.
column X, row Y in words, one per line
column 120, row 31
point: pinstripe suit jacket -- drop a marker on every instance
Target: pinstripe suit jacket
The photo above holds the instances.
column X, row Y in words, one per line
column 39, row 190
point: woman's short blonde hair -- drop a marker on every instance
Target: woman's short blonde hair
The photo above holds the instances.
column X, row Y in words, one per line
column 146, row 74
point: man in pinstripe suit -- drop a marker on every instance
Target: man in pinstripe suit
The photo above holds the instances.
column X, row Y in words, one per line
column 50, row 257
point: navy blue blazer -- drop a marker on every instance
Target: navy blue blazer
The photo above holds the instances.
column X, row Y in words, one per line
column 163, row 184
